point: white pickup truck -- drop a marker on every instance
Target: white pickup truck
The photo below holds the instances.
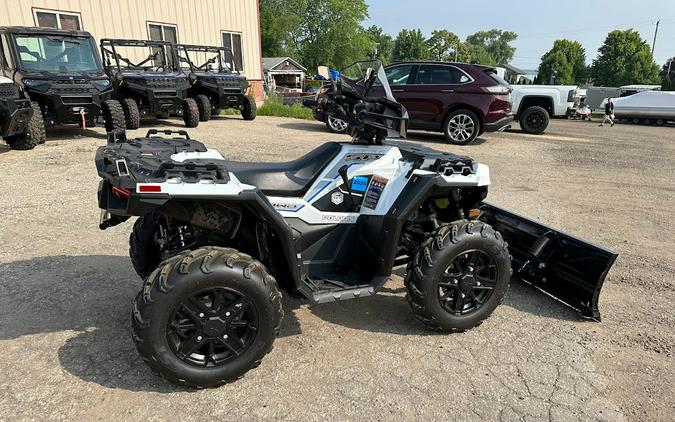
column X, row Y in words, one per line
column 534, row 105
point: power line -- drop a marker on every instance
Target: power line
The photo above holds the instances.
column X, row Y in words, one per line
column 583, row 30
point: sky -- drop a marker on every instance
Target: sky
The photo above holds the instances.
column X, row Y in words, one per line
column 537, row 26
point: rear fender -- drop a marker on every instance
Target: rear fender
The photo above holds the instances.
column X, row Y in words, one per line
column 567, row 268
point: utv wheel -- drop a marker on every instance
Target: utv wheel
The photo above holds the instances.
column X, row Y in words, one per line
column 461, row 127
column 534, row 120
column 113, row 114
column 249, row 110
column 132, row 116
column 336, row 125
column 34, row 135
column 143, row 250
column 458, row 277
column 206, row 317
column 190, row 112
column 204, row 106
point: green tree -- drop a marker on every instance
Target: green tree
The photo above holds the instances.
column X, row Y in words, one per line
column 315, row 32
column 624, row 58
column 668, row 75
column 410, row 45
column 383, row 42
column 491, row 47
column 568, row 59
column 443, row 45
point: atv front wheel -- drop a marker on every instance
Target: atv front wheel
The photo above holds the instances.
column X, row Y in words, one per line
column 206, row 317
column 144, row 252
column 190, row 112
column 204, row 105
column 132, row 116
column 336, row 124
column 459, row 276
column 113, row 114
column 249, row 110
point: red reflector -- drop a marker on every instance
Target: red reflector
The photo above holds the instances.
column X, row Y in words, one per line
column 149, row 188
column 121, row 193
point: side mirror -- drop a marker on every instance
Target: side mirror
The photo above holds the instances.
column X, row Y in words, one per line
column 323, row 72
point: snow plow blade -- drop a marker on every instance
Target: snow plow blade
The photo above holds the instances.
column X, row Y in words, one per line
column 566, row 268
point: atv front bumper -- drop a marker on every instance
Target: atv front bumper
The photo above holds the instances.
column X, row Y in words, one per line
column 15, row 114
column 569, row 269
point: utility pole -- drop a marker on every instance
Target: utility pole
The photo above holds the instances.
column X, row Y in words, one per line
column 656, row 31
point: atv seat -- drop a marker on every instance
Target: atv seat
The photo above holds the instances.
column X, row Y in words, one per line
column 291, row 178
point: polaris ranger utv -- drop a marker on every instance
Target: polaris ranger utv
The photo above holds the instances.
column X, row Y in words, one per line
column 216, row 239
column 154, row 86
column 61, row 72
column 18, row 127
column 213, row 83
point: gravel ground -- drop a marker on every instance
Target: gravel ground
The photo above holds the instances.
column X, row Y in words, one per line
column 66, row 290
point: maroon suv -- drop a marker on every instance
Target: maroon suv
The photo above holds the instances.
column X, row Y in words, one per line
column 459, row 99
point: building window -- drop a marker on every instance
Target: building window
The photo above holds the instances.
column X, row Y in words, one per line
column 58, row 19
column 232, row 40
column 163, row 32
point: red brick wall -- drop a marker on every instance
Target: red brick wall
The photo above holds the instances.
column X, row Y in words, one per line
column 256, row 90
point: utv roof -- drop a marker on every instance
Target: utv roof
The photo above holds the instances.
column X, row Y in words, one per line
column 35, row 30
column 134, row 43
column 204, row 48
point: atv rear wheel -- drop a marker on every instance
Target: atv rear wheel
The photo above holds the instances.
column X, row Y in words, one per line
column 249, row 110
column 459, row 276
column 206, row 317
column 35, row 133
column 204, row 105
column 113, row 114
column 132, row 116
column 143, row 249
column 336, row 124
column 190, row 112
column 534, row 120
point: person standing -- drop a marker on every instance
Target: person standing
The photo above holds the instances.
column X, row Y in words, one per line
column 609, row 113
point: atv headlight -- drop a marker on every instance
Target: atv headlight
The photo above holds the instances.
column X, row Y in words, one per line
column 36, row 84
column 101, row 84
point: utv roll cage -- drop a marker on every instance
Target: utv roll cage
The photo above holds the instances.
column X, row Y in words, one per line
column 224, row 56
column 164, row 52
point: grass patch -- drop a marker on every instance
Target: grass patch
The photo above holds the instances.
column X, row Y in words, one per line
column 274, row 107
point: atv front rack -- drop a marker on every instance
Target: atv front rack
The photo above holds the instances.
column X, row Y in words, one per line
column 566, row 268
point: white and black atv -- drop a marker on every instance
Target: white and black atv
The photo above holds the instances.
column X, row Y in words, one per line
column 216, row 240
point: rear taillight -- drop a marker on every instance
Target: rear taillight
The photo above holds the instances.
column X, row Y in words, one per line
column 571, row 95
column 497, row 89
column 121, row 193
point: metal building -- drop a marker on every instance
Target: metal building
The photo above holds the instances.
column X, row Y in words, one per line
column 233, row 23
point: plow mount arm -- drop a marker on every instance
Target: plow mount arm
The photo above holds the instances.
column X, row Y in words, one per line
column 566, row 268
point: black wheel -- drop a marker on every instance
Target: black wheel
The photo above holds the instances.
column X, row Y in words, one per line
column 113, row 114
column 636, row 121
column 249, row 110
column 461, row 127
column 534, row 120
column 143, row 249
column 204, row 106
column 458, row 277
column 132, row 116
column 336, row 124
column 190, row 112
column 34, row 135
column 206, row 317
column 660, row 122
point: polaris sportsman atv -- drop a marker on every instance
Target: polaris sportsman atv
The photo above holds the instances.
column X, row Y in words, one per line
column 61, row 72
column 154, row 86
column 216, row 239
column 213, row 83
column 17, row 126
